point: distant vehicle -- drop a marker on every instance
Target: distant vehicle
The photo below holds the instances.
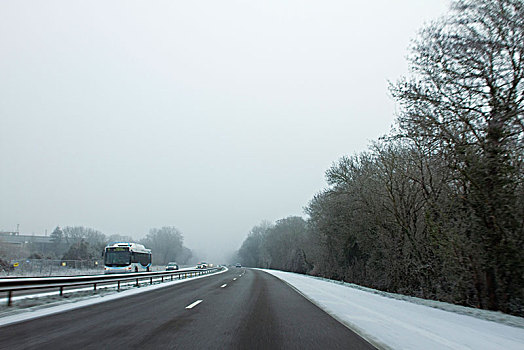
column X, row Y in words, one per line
column 238, row 265
column 123, row 257
column 202, row 265
column 172, row 266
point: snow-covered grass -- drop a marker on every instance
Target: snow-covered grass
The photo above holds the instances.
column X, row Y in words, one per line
column 393, row 321
column 55, row 272
column 67, row 271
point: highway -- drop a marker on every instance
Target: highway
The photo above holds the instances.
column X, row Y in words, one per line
column 238, row 309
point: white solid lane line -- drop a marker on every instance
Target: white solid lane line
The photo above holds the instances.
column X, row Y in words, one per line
column 194, row 304
column 222, row 286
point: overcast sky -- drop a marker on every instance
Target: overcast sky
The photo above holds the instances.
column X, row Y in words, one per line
column 206, row 115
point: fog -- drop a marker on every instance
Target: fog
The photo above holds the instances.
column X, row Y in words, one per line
column 210, row 116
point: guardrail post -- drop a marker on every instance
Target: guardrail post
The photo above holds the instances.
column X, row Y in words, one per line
column 171, row 277
column 61, row 290
column 162, row 278
column 94, row 287
column 137, row 282
column 118, row 285
column 151, row 280
column 9, row 296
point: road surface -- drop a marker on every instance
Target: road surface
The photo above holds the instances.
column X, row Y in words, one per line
column 239, row 309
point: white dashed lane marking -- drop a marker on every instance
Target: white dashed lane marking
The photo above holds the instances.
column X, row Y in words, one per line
column 222, row 286
column 194, row 304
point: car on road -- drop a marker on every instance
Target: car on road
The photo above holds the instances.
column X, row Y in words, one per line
column 202, row 265
column 238, row 265
column 171, row 266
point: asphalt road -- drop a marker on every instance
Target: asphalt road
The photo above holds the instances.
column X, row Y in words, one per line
column 239, row 309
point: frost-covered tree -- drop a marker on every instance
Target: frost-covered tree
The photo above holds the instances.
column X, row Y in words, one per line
column 465, row 103
column 166, row 244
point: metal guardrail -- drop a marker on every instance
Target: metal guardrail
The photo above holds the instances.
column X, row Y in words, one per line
column 36, row 283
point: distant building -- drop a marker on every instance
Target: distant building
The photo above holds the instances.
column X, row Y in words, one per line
column 15, row 243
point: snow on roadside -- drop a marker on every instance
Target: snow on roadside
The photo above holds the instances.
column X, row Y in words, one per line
column 405, row 323
column 54, row 273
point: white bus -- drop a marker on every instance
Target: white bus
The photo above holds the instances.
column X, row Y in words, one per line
column 122, row 257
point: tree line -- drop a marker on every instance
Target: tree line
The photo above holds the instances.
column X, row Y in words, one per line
column 435, row 208
column 84, row 243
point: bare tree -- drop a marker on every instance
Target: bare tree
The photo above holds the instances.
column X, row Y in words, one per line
column 89, row 239
column 166, row 245
column 251, row 252
column 465, row 102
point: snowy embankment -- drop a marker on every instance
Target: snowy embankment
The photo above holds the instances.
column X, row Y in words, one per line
column 399, row 322
column 69, row 272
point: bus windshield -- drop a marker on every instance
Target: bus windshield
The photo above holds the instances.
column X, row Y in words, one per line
column 117, row 258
